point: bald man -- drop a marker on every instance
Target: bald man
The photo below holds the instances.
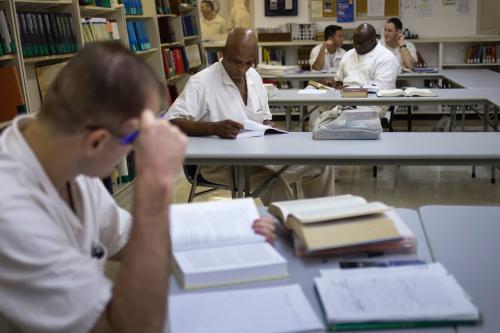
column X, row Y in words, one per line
column 217, row 100
column 368, row 64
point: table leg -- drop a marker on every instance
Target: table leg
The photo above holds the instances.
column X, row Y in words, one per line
column 288, row 118
column 246, row 171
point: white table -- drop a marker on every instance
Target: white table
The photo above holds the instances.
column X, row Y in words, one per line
column 303, row 270
column 466, row 240
column 473, row 78
column 319, row 75
column 394, row 148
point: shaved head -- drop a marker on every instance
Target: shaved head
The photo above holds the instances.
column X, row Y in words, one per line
column 364, row 38
column 240, row 52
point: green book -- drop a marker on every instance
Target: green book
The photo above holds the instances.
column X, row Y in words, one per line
column 398, row 325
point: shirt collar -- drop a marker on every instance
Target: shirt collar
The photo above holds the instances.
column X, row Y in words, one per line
column 226, row 79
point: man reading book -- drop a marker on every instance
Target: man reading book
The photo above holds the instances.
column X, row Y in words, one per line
column 58, row 223
column 217, row 101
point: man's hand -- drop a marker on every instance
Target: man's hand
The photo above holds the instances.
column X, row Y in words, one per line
column 339, row 85
column 329, row 45
column 264, row 226
column 160, row 148
column 227, row 129
column 269, row 122
column 401, row 39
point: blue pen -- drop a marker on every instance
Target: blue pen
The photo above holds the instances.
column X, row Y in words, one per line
column 129, row 138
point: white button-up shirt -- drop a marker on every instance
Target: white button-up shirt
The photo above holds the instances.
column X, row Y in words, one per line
column 212, row 96
column 49, row 281
column 332, row 60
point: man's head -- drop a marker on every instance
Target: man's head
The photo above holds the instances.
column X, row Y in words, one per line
column 364, row 38
column 392, row 29
column 240, row 52
column 98, row 98
column 207, row 8
column 335, row 34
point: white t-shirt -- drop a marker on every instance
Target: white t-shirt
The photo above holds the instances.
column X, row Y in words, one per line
column 49, row 281
column 378, row 68
column 217, row 26
column 397, row 50
column 332, row 60
column 211, row 95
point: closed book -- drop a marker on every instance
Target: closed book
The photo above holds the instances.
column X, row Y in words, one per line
column 10, row 94
column 214, row 244
column 354, row 92
column 5, row 34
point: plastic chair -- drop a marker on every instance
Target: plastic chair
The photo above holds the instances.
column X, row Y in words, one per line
column 194, row 177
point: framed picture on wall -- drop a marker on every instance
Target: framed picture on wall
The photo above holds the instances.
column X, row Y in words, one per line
column 217, row 17
column 280, row 7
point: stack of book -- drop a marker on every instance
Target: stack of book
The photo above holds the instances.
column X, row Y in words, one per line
column 123, row 173
column 99, row 29
column 354, row 92
column 342, row 225
column 133, row 7
column 393, row 297
column 482, row 54
column 7, row 44
column 45, row 34
column 189, row 25
column 174, row 62
column 163, row 7
column 138, row 36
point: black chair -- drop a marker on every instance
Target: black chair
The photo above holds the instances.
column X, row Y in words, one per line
column 194, row 177
column 386, row 123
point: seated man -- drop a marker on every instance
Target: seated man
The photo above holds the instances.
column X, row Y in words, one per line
column 58, row 223
column 368, row 64
column 217, row 100
column 394, row 41
column 331, row 48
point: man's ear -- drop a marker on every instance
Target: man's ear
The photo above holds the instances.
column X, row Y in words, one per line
column 95, row 140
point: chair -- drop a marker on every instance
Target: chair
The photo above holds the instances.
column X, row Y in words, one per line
column 194, row 177
column 386, row 123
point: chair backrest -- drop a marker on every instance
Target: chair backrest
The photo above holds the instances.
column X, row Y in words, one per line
column 189, row 172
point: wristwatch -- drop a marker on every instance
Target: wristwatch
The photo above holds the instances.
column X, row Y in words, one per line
column 401, row 46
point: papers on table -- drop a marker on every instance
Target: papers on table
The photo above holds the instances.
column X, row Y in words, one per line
column 312, row 92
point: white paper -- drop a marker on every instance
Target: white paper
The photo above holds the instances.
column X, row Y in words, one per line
column 424, row 8
column 376, row 8
column 464, row 7
column 316, row 10
column 274, row 309
column 214, row 223
column 411, row 293
column 312, row 91
column 409, row 8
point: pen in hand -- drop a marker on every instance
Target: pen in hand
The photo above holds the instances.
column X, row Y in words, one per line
column 129, row 138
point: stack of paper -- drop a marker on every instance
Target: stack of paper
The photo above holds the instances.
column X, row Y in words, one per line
column 343, row 224
column 383, row 298
column 275, row 309
column 277, row 70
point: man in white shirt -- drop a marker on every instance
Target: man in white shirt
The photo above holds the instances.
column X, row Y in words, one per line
column 368, row 64
column 405, row 51
column 58, row 223
column 211, row 23
column 331, row 50
column 217, row 100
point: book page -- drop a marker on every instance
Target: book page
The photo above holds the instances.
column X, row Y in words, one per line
column 272, row 309
column 390, row 93
column 282, row 209
column 393, row 294
column 339, row 210
column 412, row 91
column 214, row 223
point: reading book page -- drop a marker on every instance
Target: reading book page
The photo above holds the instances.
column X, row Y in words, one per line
column 411, row 91
column 214, row 223
column 282, row 209
column 252, row 128
column 272, row 309
column 393, row 294
column 339, row 210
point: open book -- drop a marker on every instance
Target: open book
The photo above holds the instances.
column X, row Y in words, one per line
column 335, row 222
column 408, row 92
column 393, row 297
column 214, row 244
column 252, row 128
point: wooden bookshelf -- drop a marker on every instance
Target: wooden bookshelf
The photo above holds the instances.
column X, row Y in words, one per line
column 177, row 77
column 88, row 10
column 190, row 38
column 138, row 17
column 41, row 5
column 6, row 57
column 166, row 15
column 34, row 60
column 174, row 44
column 146, row 52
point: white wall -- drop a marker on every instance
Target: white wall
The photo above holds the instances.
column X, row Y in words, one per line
column 444, row 21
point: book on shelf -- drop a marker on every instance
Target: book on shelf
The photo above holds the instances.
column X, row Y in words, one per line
column 214, row 244
column 252, row 129
column 482, row 54
column 46, row 74
column 7, row 44
column 10, row 94
column 189, row 25
column 121, row 174
column 337, row 222
column 354, row 92
column 408, row 92
column 174, row 62
column 138, row 36
column 133, row 7
column 393, row 297
column 270, row 309
column 193, row 55
column 167, row 31
column 99, row 29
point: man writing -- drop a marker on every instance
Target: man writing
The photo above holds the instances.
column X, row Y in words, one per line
column 217, row 100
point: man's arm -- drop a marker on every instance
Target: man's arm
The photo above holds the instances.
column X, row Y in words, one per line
column 408, row 60
column 320, row 58
column 139, row 301
column 226, row 129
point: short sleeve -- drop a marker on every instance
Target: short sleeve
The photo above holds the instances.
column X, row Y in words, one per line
column 189, row 105
column 412, row 49
column 314, row 55
column 340, row 75
column 262, row 97
column 47, row 284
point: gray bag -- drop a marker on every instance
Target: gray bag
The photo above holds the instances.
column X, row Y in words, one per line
column 347, row 124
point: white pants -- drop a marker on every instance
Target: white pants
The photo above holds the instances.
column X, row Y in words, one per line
column 296, row 182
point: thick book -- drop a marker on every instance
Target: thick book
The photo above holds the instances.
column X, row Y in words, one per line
column 354, row 92
column 271, row 309
column 252, row 129
column 393, row 297
column 214, row 244
column 336, row 222
column 408, row 92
